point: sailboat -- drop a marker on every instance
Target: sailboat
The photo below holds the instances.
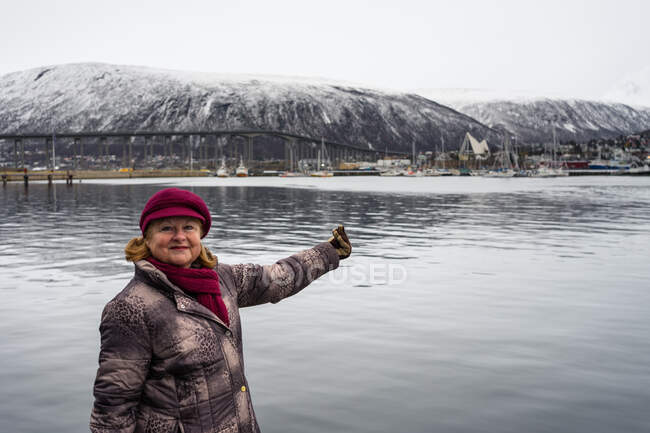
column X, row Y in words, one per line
column 506, row 166
column 241, row 171
column 223, row 170
column 442, row 157
column 322, row 152
column 550, row 167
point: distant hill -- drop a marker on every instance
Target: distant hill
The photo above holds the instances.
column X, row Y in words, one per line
column 102, row 97
column 531, row 118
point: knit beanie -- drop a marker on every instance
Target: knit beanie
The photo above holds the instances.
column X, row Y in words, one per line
column 174, row 202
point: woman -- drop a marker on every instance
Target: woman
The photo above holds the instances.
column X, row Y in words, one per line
column 171, row 349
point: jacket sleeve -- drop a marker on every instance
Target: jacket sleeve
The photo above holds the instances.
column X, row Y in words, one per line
column 124, row 360
column 257, row 284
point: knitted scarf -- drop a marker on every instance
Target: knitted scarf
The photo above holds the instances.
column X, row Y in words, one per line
column 201, row 283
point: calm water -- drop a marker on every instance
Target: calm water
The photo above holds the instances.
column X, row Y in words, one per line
column 469, row 305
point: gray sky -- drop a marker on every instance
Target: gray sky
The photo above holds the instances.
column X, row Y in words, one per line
column 573, row 47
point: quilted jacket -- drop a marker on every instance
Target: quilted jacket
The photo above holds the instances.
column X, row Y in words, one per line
column 168, row 364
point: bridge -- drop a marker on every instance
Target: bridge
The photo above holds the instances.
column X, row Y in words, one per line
column 181, row 147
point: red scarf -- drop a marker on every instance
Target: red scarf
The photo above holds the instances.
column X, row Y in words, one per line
column 202, row 283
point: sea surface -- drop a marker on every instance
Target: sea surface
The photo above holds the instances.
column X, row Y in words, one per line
column 468, row 304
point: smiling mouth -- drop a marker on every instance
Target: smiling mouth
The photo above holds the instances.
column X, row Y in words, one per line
column 179, row 248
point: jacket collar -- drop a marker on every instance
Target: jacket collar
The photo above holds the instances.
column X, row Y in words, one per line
column 151, row 275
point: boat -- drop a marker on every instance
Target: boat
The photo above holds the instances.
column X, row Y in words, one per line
column 608, row 164
column 223, row 170
column 503, row 164
column 414, row 173
column 442, row 157
column 547, row 171
column 442, row 172
column 503, row 173
column 322, row 154
column 643, row 169
column 393, row 172
column 321, row 173
column 241, row 171
column 290, row 174
column 550, row 166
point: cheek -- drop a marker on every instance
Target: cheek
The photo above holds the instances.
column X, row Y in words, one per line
column 155, row 243
column 196, row 250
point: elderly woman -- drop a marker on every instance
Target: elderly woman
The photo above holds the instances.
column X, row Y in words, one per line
column 171, row 349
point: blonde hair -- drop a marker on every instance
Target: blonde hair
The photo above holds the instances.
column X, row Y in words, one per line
column 137, row 249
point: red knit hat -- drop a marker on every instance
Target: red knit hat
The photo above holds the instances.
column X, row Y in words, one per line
column 172, row 202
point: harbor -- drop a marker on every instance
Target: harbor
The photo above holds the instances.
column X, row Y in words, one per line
column 35, row 157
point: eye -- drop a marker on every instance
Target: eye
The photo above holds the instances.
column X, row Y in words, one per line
column 189, row 228
column 166, row 228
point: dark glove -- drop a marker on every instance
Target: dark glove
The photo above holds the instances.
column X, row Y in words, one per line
column 340, row 242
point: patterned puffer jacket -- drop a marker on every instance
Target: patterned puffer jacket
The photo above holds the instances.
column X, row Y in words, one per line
column 168, row 364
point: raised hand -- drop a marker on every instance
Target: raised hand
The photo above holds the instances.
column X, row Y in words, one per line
column 340, row 242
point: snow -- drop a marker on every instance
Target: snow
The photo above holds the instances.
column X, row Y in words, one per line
column 569, row 127
column 530, row 117
column 461, row 97
column 633, row 89
column 96, row 97
column 102, row 97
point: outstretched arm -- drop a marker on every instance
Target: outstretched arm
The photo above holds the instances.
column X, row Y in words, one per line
column 257, row 284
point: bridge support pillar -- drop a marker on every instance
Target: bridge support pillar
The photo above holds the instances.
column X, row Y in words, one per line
column 183, row 150
column 286, row 154
column 124, row 162
column 203, row 152
column 131, row 161
column 164, row 140
column 75, row 144
column 82, row 163
column 103, row 149
column 47, row 153
column 250, row 150
column 168, row 150
column 152, row 140
column 298, row 155
column 218, row 144
column 188, row 151
column 293, row 163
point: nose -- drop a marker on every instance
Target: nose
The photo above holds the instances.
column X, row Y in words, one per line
column 178, row 235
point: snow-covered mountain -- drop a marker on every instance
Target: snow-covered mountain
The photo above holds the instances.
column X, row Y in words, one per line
column 531, row 118
column 633, row 89
column 102, row 97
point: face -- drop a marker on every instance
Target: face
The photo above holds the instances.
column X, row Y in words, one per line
column 175, row 241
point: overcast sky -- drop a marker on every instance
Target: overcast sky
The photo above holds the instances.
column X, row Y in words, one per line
column 570, row 47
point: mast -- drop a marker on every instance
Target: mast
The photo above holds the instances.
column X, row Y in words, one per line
column 319, row 152
column 191, row 160
column 53, row 156
column 413, row 153
column 326, row 157
column 553, row 156
column 442, row 155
